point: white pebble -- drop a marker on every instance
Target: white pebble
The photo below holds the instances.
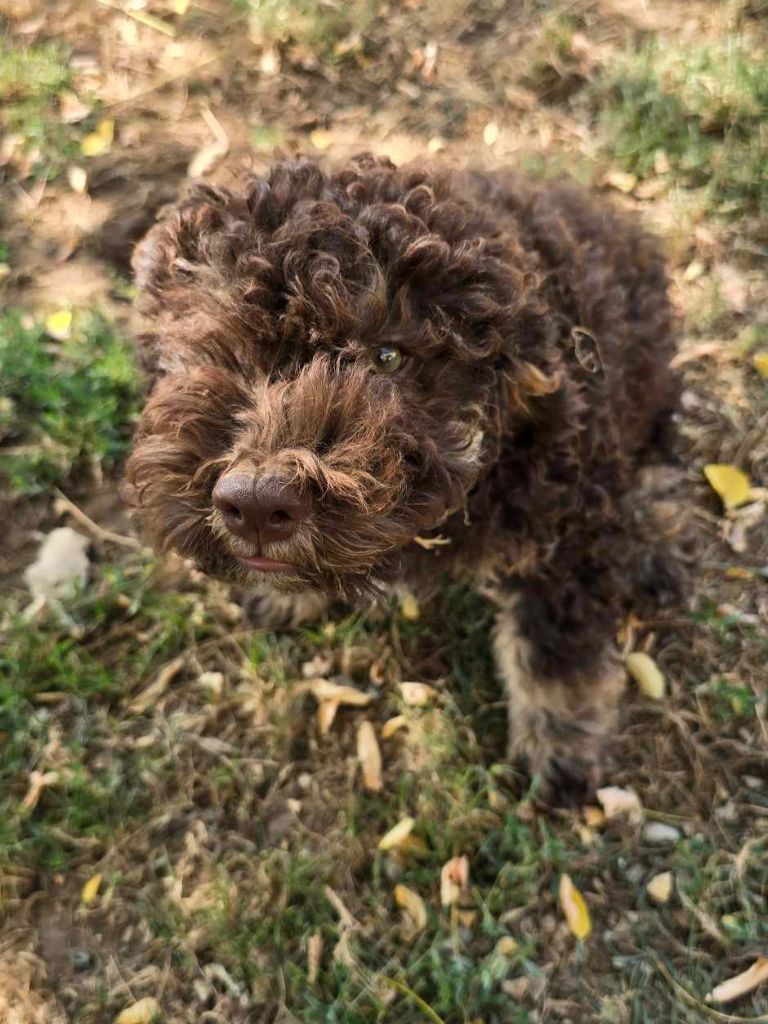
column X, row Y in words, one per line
column 658, row 832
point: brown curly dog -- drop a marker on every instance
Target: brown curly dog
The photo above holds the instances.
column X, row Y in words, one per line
column 350, row 365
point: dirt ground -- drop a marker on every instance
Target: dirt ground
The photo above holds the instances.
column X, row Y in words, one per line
column 155, row 741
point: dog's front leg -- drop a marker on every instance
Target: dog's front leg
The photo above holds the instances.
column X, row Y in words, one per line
column 563, row 680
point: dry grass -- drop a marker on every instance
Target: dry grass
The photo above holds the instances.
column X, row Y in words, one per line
column 241, row 875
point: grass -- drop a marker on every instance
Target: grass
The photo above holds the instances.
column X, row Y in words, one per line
column 67, row 405
column 699, row 110
column 32, row 78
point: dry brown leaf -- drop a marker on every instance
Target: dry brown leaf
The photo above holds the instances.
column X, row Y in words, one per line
column 731, row 484
column 393, row 725
column 618, row 803
column 414, row 906
column 454, row 880
column 742, row 983
column 418, row 694
column 397, row 834
column 151, row 694
column 646, row 673
column 574, row 908
column 369, row 756
column 37, row 783
column 324, row 690
column 142, row 1012
column 314, row 955
column 326, row 714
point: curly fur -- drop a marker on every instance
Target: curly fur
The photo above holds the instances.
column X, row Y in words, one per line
column 537, row 334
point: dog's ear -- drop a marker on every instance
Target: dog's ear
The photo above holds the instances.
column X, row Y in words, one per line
column 179, row 242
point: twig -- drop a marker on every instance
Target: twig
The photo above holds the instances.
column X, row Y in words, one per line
column 414, row 997
column 98, row 531
column 144, row 19
column 165, row 80
column 690, row 998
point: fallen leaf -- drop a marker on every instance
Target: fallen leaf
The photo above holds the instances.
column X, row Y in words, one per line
column 324, row 690
column 409, row 607
column 731, row 484
column 71, row 107
column 413, row 845
column 593, row 816
column 142, row 1012
column 454, row 880
column 206, row 158
column 414, row 906
column 491, row 133
column 694, row 271
column 618, row 803
column 742, row 983
column 98, row 142
column 574, row 908
column 326, row 714
column 393, row 725
column 180, row 7
column 417, row 694
column 61, row 564
column 661, row 886
column 77, row 178
column 90, row 890
column 369, row 756
column 506, row 946
column 321, row 139
column 59, row 324
column 760, row 363
column 314, row 953
column 646, row 673
column 37, row 783
column 269, row 62
column 621, row 181
column 397, row 834
column 435, row 145
column 149, row 696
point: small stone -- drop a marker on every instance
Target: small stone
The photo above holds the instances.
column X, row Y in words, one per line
column 81, row 960
column 658, row 833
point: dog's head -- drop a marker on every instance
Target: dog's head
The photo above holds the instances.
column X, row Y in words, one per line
column 331, row 355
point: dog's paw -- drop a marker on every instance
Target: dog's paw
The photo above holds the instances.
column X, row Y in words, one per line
column 567, row 774
column 269, row 609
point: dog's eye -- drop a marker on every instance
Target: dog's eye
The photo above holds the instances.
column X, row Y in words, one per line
column 387, row 359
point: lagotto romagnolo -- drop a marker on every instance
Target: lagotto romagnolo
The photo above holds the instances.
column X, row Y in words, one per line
column 345, row 362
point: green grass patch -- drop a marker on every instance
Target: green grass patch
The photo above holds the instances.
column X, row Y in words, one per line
column 701, row 109
column 64, row 405
column 31, row 79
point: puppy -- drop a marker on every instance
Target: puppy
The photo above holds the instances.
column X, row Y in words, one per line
column 387, row 374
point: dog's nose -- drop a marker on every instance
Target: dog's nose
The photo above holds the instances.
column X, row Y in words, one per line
column 261, row 509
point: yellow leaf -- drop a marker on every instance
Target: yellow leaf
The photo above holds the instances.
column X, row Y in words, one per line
column 90, row 890
column 730, row 483
column 59, row 324
column 369, row 756
column 413, row 905
column 506, row 946
column 323, row 690
column 98, row 142
column 760, row 363
column 621, row 181
column 574, row 908
column 646, row 673
column 397, row 834
column 413, row 845
column 660, row 887
column 409, row 607
column 593, row 816
column 742, row 983
column 393, row 725
column 179, row 6
column 320, row 139
column 141, row 1012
